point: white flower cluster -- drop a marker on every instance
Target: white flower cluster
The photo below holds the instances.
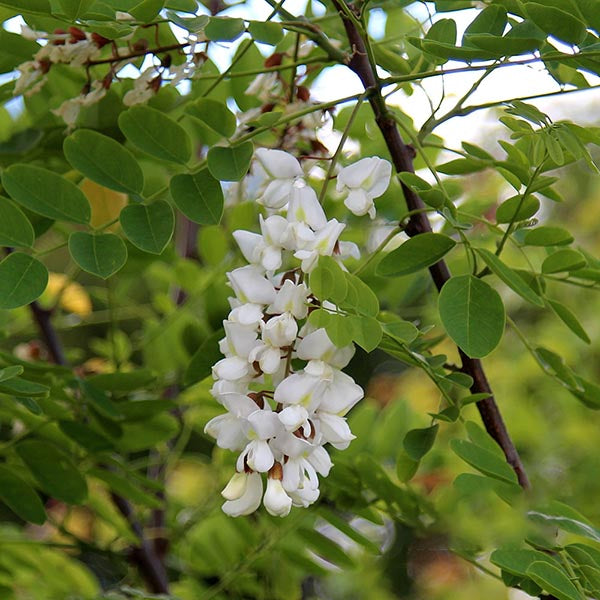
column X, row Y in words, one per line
column 279, row 418
column 75, row 47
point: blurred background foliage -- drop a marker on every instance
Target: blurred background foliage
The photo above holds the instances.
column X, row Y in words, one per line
column 380, row 530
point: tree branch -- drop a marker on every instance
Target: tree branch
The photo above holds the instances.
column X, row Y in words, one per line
column 402, row 156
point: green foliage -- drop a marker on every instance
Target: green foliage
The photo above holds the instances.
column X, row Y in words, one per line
column 105, row 385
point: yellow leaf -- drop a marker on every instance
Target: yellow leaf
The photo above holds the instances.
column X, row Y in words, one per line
column 106, row 204
column 73, row 297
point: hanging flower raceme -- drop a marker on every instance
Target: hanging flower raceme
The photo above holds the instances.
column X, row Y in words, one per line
column 281, row 380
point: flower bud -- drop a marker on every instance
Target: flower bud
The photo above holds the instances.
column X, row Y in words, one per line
column 276, row 501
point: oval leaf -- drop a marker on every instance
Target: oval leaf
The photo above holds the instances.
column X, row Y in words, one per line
column 570, row 320
column 415, row 254
column 104, row 160
column 15, row 228
column 54, row 471
column 488, row 463
column 149, row 227
column 46, row 193
column 22, row 280
column 517, row 209
column 199, row 197
column 563, row 260
column 418, row 442
column 155, row 133
column 548, row 236
column 100, row 254
column 214, row 114
column 230, row 164
column 553, row 580
column 512, row 279
column 20, row 497
column 473, row 314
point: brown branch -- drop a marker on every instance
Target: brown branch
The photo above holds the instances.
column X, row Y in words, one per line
column 135, row 54
column 402, row 156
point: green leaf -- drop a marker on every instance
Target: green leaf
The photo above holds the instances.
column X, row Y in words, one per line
column 556, row 22
column 23, row 388
column 148, row 226
column 104, row 160
column 146, row 10
column 148, row 433
column 325, row 547
column 365, row 299
column 46, row 193
column 491, row 20
column 224, row 29
column 462, row 166
column 547, row 236
column 553, row 580
column 125, row 488
column 517, row 209
column 99, row 400
column 214, row 114
column 20, row 497
column 53, row 470
column 512, row 279
column 155, row 133
column 553, row 364
column 473, row 314
column 471, row 484
column 415, row 254
column 403, row 331
column 406, row 467
column 199, row 197
column 483, row 439
column 15, row 228
column 566, row 518
column 328, row 281
column 203, row 360
column 488, row 463
column 340, row 331
column 563, row 260
column 230, row 163
column 101, row 254
column 347, row 529
column 517, row 560
column 418, row 442
column 366, row 332
column 75, row 9
column 570, row 320
column 265, row 32
column 193, row 25
column 85, row 436
column 10, row 372
column 123, row 381
column 22, row 280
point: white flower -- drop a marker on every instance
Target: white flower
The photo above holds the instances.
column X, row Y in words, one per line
column 323, row 245
column 304, row 206
column 363, row 181
column 292, row 298
column 317, row 346
column 280, row 414
column 142, row 89
column 249, row 285
column 282, row 169
column 335, row 430
column 280, row 331
column 250, row 497
column 276, row 501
